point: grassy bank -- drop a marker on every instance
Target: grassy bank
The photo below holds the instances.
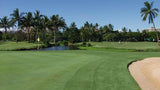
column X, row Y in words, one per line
column 68, row 70
column 8, row 46
column 137, row 46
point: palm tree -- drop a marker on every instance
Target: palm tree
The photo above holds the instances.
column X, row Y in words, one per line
column 57, row 23
column 5, row 23
column 17, row 18
column 27, row 23
column 88, row 29
column 124, row 30
column 45, row 22
column 72, row 33
column 37, row 23
column 86, row 25
column 82, row 34
column 151, row 13
column 111, row 27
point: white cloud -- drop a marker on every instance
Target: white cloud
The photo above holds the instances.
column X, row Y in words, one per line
column 1, row 29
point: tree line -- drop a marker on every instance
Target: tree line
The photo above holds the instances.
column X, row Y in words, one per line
column 30, row 26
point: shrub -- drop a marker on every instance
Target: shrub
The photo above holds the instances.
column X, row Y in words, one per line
column 57, row 44
column 65, row 43
column 5, row 37
column 89, row 44
column 31, row 41
column 84, row 44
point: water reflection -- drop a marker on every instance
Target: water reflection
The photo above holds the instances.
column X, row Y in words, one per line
column 55, row 48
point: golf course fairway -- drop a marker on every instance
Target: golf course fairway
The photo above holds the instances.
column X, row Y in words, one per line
column 68, row 70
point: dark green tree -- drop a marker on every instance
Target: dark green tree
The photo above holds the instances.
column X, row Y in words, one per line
column 17, row 18
column 72, row 33
column 45, row 23
column 5, row 23
column 57, row 23
column 37, row 23
column 27, row 23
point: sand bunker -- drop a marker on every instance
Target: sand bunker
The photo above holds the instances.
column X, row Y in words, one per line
column 146, row 73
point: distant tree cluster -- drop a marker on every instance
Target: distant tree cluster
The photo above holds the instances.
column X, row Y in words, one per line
column 30, row 26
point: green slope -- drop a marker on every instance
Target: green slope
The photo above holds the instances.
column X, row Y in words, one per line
column 68, row 70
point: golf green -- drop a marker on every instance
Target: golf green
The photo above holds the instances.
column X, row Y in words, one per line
column 68, row 70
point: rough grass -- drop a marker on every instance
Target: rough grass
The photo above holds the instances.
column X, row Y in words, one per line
column 127, row 45
column 8, row 45
column 68, row 70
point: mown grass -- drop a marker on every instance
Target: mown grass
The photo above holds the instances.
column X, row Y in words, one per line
column 8, row 46
column 134, row 46
column 100, row 67
column 127, row 45
column 107, row 49
column 68, row 70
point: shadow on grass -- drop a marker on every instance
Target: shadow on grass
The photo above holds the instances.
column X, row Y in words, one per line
column 131, row 63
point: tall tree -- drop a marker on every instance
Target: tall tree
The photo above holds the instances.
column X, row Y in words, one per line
column 96, row 26
column 17, row 18
column 72, row 33
column 5, row 23
column 27, row 23
column 151, row 13
column 111, row 27
column 37, row 23
column 57, row 23
column 89, row 30
column 124, row 32
column 45, row 22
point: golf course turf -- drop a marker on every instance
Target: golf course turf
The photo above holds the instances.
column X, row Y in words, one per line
column 10, row 46
column 68, row 70
column 136, row 46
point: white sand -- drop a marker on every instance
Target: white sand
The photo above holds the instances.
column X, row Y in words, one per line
column 146, row 73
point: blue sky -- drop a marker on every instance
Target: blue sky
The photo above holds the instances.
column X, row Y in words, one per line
column 120, row 13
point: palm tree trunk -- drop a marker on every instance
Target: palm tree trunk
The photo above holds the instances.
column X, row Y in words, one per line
column 37, row 36
column 44, row 36
column 28, row 34
column 54, row 30
column 16, row 35
column 5, row 30
column 54, row 36
column 5, row 33
column 156, row 33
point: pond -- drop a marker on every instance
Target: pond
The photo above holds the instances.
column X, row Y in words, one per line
column 56, row 48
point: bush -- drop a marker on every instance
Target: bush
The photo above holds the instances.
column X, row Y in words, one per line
column 84, row 44
column 65, row 43
column 31, row 41
column 14, row 39
column 46, row 41
column 132, row 40
column 5, row 37
column 89, row 44
column 57, row 44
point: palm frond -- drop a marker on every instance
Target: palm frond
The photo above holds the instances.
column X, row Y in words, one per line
column 144, row 9
column 147, row 5
column 145, row 16
column 151, row 4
